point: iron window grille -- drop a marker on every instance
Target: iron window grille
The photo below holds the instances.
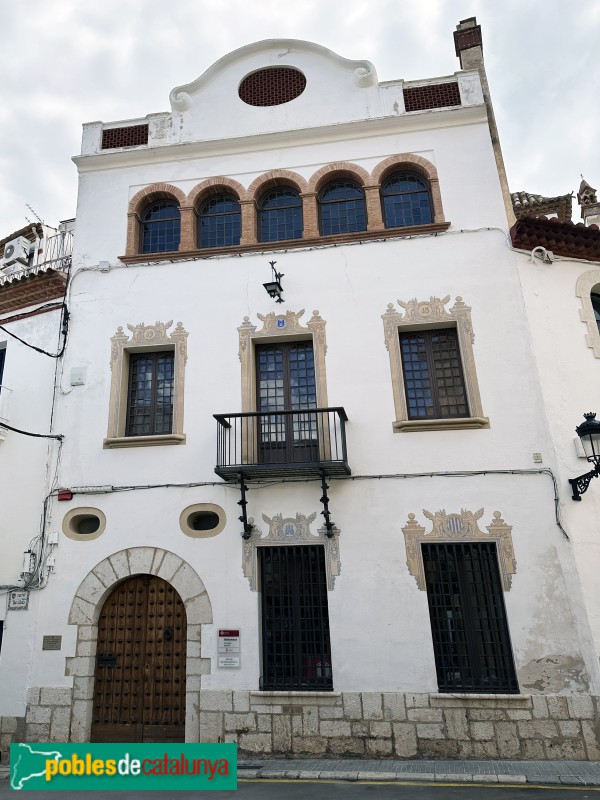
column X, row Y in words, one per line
column 406, row 201
column 280, row 215
column 433, row 374
column 161, row 228
column 150, row 398
column 220, row 222
column 471, row 642
column 295, row 620
column 342, row 208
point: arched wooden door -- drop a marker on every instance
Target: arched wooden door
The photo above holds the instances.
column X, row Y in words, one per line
column 139, row 692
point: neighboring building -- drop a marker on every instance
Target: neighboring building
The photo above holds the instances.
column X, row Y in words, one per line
column 322, row 527
column 34, row 262
column 527, row 205
column 560, row 276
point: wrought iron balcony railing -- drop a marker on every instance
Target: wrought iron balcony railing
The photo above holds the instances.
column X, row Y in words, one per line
column 282, row 443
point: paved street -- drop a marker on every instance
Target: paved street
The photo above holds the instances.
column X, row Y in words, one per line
column 343, row 790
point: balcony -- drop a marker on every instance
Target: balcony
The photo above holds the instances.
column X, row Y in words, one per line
column 278, row 444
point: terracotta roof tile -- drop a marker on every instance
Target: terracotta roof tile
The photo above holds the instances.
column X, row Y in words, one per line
column 569, row 239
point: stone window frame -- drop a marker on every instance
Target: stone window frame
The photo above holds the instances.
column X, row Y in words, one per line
column 583, row 290
column 144, row 338
column 278, row 328
column 201, row 534
column 71, row 516
column 456, row 528
column 429, row 315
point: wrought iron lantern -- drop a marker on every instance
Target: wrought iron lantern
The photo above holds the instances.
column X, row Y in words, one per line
column 274, row 287
column 589, row 433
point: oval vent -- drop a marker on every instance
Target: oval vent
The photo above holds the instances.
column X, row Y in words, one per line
column 272, row 86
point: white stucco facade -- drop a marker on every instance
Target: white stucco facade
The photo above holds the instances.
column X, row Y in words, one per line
column 484, row 469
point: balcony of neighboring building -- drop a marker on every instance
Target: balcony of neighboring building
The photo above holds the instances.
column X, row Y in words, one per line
column 277, row 444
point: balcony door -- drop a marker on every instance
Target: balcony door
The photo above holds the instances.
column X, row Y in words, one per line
column 286, row 382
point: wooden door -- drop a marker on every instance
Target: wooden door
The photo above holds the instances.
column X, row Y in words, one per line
column 139, row 692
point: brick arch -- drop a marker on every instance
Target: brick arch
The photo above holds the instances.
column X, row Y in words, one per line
column 276, row 177
column 212, row 186
column 340, row 169
column 157, row 191
column 85, row 613
column 416, row 164
column 408, row 160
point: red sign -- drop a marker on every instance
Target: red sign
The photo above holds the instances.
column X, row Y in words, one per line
column 229, row 633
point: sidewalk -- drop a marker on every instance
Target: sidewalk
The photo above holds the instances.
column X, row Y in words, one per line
column 574, row 773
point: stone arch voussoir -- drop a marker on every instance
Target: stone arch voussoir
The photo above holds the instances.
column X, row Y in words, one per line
column 212, row 186
column 155, row 192
column 85, row 612
column 276, row 177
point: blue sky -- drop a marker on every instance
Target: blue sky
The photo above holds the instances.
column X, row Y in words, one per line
column 67, row 62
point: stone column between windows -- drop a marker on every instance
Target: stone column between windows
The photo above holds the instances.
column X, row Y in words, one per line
column 248, row 212
column 373, row 203
column 310, row 215
column 188, row 228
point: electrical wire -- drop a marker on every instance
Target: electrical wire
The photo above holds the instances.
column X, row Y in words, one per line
column 58, row 436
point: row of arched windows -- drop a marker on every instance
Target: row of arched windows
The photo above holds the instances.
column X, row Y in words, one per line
column 405, row 199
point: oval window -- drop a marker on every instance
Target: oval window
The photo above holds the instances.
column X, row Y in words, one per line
column 272, row 86
column 202, row 520
column 84, row 523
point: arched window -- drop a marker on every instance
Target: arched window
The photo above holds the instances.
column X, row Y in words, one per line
column 220, row 221
column 161, row 227
column 342, row 208
column 406, row 200
column 280, row 215
column 595, row 298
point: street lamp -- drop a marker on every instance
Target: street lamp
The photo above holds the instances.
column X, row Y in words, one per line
column 274, row 287
column 589, row 433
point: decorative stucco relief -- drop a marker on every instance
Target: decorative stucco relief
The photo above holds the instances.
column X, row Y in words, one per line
column 459, row 528
column 276, row 326
column 291, row 531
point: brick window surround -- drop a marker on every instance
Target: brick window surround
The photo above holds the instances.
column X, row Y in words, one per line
column 249, row 197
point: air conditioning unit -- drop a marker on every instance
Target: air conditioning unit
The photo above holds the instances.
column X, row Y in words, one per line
column 16, row 252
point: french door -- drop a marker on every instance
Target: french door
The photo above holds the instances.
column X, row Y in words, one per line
column 286, row 382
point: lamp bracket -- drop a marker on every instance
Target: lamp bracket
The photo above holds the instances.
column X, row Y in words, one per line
column 329, row 525
column 243, row 518
column 580, row 484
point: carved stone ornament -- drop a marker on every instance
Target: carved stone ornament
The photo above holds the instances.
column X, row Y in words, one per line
column 276, row 326
column 291, row 531
column 429, row 314
column 459, row 528
column 587, row 282
column 153, row 337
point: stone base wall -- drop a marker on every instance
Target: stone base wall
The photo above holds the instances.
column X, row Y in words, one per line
column 399, row 725
column 48, row 714
column 12, row 729
column 367, row 724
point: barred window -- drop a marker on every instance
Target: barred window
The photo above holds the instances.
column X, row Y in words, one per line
column 469, row 626
column 342, row 208
column 280, row 215
column 406, row 200
column 161, row 227
column 219, row 222
column 150, row 400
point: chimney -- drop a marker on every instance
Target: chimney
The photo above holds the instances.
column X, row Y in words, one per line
column 469, row 48
column 468, row 43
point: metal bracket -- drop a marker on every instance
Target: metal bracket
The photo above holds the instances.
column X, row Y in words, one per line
column 580, row 485
column 243, row 518
column 329, row 525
